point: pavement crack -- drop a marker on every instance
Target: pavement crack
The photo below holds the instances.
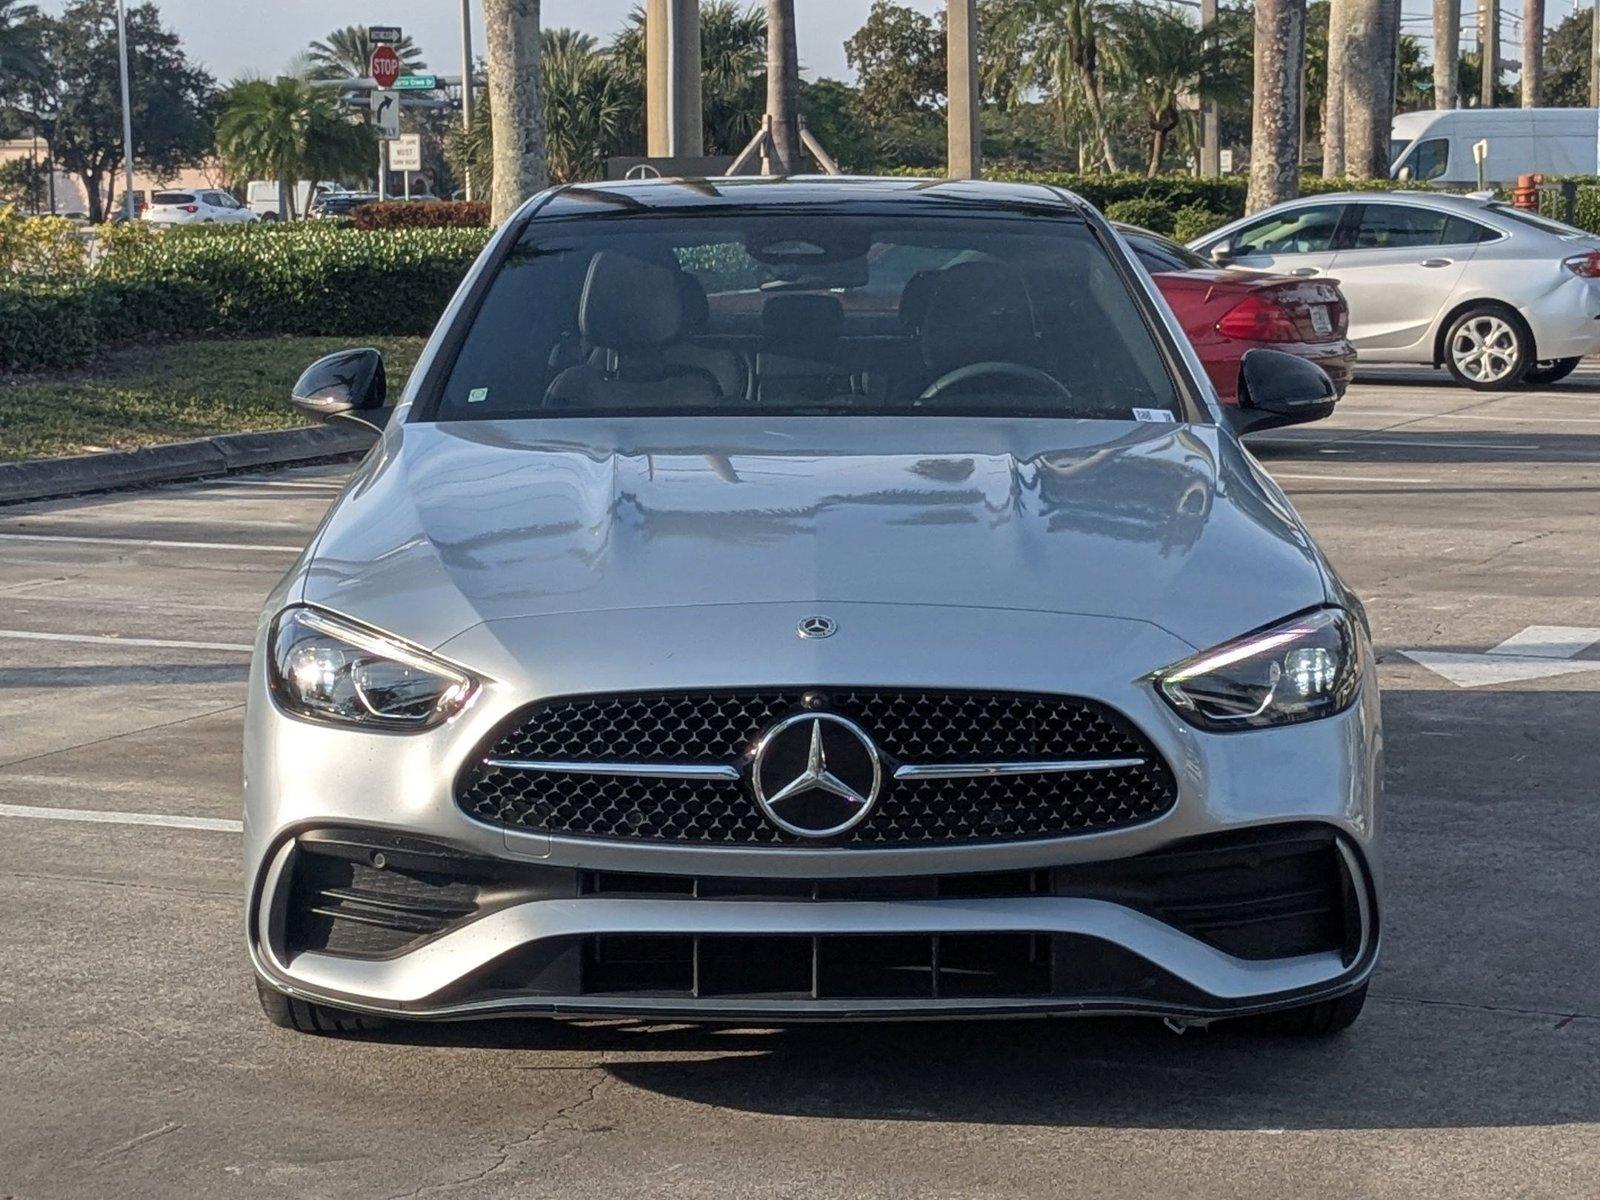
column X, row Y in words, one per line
column 216, row 712
column 1563, row 1019
column 504, row 1151
column 1512, row 545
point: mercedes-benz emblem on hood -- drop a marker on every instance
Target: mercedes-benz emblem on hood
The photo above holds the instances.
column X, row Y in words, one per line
column 817, row 626
column 816, row 775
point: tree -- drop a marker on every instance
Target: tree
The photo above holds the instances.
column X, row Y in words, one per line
column 783, row 89
column 1158, row 58
column 1280, row 37
column 288, row 130
column 583, row 106
column 1372, row 49
column 1335, row 36
column 899, row 60
column 1446, row 53
column 21, row 47
column 347, row 54
column 1058, row 42
column 733, row 65
column 76, row 102
column 512, row 42
column 1566, row 61
column 1532, row 52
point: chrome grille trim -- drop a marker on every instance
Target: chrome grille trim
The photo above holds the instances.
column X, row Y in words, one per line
column 988, row 770
column 629, row 770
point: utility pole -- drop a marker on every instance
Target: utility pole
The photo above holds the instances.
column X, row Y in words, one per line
column 964, row 132
column 467, row 98
column 1446, row 53
column 1210, row 121
column 1532, row 52
column 127, row 111
column 1594, row 57
column 1488, row 50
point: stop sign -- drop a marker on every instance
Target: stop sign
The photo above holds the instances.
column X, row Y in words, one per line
column 385, row 66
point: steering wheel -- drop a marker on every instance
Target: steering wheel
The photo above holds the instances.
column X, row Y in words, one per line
column 1002, row 373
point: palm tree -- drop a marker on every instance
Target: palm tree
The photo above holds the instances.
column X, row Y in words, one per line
column 1334, row 90
column 583, row 106
column 345, row 54
column 1280, row 39
column 1371, row 56
column 1532, row 52
column 783, row 89
column 512, row 43
column 1059, row 46
column 733, row 63
column 1159, row 57
column 1446, row 53
column 288, row 130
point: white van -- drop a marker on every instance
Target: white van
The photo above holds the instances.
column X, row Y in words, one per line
column 1435, row 145
column 261, row 196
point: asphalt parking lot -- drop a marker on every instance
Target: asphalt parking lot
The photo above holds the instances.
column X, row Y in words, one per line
column 134, row 1061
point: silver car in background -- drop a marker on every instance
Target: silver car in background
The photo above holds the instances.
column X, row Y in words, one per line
column 781, row 600
column 1496, row 295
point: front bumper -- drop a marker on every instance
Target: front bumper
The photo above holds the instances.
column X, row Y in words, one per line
column 571, row 925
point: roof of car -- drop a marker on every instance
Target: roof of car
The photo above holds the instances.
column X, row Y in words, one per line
column 821, row 190
column 1403, row 195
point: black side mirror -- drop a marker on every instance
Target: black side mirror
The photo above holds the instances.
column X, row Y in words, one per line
column 348, row 385
column 1280, row 389
column 1222, row 252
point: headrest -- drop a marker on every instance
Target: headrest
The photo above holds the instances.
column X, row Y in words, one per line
column 801, row 325
column 696, row 307
column 914, row 298
column 977, row 312
column 629, row 304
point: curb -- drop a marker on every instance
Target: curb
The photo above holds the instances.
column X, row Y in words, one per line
column 52, row 478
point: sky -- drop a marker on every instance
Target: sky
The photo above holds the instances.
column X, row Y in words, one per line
column 234, row 37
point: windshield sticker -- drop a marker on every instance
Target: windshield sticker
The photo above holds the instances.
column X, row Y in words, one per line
column 1158, row 415
column 477, row 395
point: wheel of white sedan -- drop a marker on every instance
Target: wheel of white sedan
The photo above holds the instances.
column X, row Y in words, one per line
column 1487, row 348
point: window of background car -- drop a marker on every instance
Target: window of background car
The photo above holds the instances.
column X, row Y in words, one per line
column 1307, row 230
column 1159, row 255
column 1397, row 226
column 1429, row 160
column 1537, row 222
column 812, row 312
column 172, row 198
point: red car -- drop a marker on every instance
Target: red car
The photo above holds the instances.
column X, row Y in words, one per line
column 1226, row 313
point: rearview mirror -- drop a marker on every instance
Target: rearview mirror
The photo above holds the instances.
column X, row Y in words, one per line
column 1280, row 389
column 1403, row 175
column 348, row 385
column 1222, row 252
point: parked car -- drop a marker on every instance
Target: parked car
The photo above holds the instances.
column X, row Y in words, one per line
column 1496, row 295
column 1227, row 313
column 339, row 204
column 202, row 206
column 266, row 198
column 871, row 690
column 1435, row 145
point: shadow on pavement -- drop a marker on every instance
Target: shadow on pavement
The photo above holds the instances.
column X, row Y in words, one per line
column 1332, row 447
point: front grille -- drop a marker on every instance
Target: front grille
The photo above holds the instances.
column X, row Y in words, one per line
column 719, row 729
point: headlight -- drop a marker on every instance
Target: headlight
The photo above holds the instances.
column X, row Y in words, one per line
column 1305, row 668
column 329, row 669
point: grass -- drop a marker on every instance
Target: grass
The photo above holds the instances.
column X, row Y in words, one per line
column 172, row 392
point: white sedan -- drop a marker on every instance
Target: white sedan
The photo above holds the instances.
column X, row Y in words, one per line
column 1496, row 295
column 207, row 206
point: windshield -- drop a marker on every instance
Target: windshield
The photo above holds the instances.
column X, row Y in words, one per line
column 804, row 312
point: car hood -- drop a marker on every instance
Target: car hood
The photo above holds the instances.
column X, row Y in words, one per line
column 448, row 525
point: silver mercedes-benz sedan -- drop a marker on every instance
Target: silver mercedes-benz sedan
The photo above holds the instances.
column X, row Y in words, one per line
column 774, row 600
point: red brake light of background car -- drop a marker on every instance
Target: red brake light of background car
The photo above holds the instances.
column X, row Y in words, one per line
column 190, row 208
column 1258, row 319
column 1585, row 265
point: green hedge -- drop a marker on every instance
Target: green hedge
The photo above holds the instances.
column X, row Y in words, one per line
column 294, row 279
column 440, row 214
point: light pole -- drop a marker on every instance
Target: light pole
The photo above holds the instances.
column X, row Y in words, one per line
column 127, row 111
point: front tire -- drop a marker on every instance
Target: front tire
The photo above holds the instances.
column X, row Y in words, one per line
column 1551, row 371
column 304, row 1017
column 1488, row 348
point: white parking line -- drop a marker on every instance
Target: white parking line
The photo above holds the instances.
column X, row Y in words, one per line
column 165, row 820
column 94, row 639
column 1351, row 478
column 139, row 543
column 306, row 484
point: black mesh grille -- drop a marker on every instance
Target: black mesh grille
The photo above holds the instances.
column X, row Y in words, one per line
column 909, row 726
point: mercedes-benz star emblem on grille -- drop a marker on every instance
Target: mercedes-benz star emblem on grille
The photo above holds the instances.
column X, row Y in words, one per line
column 816, row 775
column 817, row 627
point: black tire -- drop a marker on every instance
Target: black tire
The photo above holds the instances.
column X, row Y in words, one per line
column 1312, row 1020
column 1488, row 348
column 304, row 1017
column 1550, row 371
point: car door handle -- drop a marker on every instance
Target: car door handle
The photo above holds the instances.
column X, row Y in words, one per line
column 1303, row 271
column 1436, row 262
